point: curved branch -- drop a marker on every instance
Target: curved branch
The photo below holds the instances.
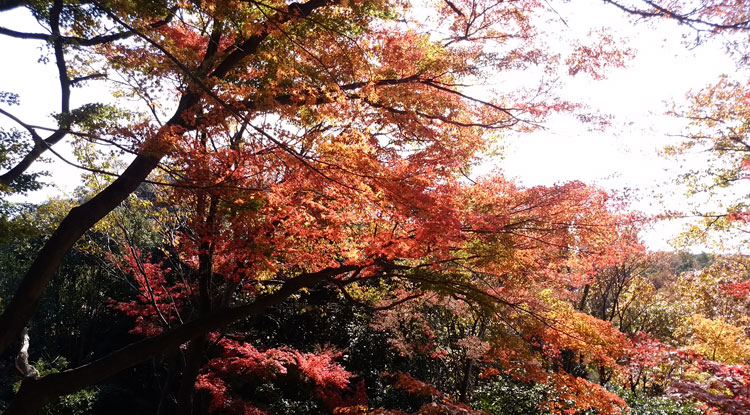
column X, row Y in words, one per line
column 35, row 393
column 82, row 41
column 656, row 10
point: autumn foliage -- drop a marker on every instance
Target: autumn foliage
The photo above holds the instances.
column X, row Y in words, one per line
column 296, row 226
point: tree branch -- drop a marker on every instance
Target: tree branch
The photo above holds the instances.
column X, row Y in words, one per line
column 35, row 393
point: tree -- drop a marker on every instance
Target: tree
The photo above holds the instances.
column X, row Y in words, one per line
column 309, row 142
column 717, row 128
column 503, row 252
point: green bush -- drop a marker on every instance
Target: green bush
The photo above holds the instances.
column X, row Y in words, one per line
column 504, row 396
column 643, row 404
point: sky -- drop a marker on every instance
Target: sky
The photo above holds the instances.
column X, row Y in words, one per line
column 39, row 88
column 622, row 156
column 625, row 155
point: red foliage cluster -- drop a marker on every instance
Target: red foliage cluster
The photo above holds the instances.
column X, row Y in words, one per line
column 686, row 375
column 159, row 303
column 242, row 363
column 725, row 390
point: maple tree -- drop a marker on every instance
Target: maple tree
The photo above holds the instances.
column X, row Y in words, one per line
column 317, row 143
column 489, row 260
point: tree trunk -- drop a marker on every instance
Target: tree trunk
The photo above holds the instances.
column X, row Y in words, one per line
column 80, row 219
column 463, row 393
column 173, row 362
column 194, row 358
column 584, row 297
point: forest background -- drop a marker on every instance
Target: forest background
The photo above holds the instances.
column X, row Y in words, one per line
column 286, row 208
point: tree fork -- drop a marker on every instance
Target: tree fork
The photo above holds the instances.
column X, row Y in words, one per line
column 83, row 217
column 79, row 220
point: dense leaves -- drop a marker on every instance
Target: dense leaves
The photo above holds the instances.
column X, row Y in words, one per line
column 278, row 217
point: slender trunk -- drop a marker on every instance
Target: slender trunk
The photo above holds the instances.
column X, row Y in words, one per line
column 604, row 375
column 194, row 359
column 194, row 355
column 172, row 360
column 463, row 393
column 469, row 364
column 584, row 297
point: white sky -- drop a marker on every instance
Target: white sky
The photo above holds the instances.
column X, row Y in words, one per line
column 625, row 155
column 663, row 70
column 39, row 91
